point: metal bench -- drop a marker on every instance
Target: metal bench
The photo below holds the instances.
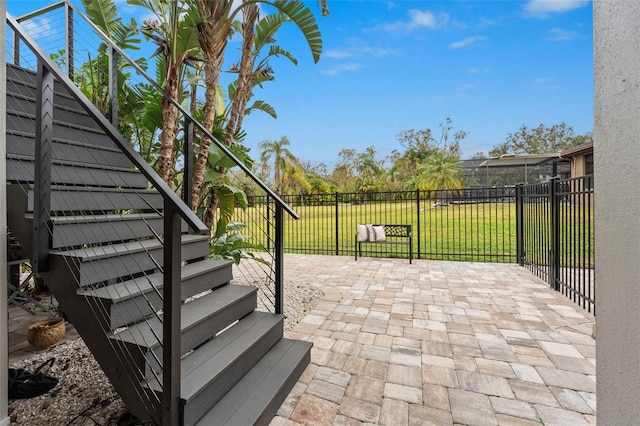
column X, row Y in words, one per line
column 393, row 234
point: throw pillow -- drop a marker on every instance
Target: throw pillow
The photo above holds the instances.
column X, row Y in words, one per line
column 363, row 234
column 379, row 233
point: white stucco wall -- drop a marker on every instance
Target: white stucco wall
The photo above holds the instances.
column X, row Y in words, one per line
column 4, row 420
column 617, row 218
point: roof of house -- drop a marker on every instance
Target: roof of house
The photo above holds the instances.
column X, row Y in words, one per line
column 580, row 149
column 512, row 160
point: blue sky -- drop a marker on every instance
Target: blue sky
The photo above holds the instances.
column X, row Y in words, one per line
column 387, row 66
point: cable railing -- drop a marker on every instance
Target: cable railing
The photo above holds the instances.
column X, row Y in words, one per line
column 86, row 42
column 92, row 196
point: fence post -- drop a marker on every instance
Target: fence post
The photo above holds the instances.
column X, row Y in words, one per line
column 42, row 172
column 171, row 350
column 279, row 260
column 520, row 224
column 113, row 86
column 418, row 219
column 337, row 227
column 187, row 188
column 554, row 256
column 69, row 40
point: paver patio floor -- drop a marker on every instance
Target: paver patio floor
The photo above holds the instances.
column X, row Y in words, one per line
column 439, row 343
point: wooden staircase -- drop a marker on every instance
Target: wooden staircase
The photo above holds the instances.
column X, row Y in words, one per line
column 105, row 260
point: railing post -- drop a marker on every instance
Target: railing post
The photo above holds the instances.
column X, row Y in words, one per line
column 42, row 172
column 171, row 350
column 520, row 224
column 187, row 188
column 16, row 48
column 279, row 260
column 113, row 86
column 337, row 227
column 554, row 258
column 69, row 39
column 418, row 219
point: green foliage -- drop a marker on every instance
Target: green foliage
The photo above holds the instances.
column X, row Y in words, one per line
column 434, row 159
column 540, row 140
column 234, row 245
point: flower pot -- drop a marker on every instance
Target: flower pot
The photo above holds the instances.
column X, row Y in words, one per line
column 44, row 334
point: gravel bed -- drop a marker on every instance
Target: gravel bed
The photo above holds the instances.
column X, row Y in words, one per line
column 84, row 396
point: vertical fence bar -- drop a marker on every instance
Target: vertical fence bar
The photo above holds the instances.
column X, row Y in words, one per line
column 171, row 406
column 554, row 235
column 519, row 225
column 337, row 227
column 418, row 234
column 42, row 177
column 279, row 260
column 69, row 40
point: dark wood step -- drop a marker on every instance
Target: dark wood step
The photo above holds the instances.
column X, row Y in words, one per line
column 22, row 144
column 215, row 367
column 21, row 104
column 92, row 199
column 201, row 319
column 94, row 265
column 21, row 170
column 26, row 122
column 128, row 302
column 72, row 231
column 256, row 398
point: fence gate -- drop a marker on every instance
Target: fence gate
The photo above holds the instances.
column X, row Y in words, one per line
column 556, row 235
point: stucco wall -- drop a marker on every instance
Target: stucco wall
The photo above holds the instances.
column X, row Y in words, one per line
column 617, row 217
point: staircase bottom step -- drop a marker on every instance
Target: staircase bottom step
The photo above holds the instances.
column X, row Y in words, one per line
column 256, row 398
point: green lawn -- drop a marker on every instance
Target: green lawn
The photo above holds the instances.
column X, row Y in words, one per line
column 481, row 231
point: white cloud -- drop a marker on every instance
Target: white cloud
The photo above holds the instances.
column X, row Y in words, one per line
column 467, row 42
column 558, row 34
column 340, row 68
column 356, row 48
column 418, row 19
column 542, row 8
column 476, row 70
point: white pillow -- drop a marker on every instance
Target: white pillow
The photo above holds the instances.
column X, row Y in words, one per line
column 363, row 234
column 371, row 233
column 379, row 233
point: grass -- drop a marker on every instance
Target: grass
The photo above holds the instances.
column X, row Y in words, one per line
column 468, row 232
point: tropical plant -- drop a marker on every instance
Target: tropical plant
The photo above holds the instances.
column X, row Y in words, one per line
column 176, row 38
column 440, row 171
column 278, row 155
column 234, row 245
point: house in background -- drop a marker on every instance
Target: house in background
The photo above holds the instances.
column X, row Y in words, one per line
column 581, row 158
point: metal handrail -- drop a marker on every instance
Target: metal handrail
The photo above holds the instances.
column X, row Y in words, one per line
column 182, row 110
column 189, row 216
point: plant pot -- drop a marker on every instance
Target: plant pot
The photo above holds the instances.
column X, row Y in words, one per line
column 44, row 334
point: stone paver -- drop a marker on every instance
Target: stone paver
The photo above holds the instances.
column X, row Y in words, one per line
column 439, row 343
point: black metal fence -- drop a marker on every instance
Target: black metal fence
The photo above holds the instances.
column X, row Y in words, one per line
column 475, row 224
column 556, row 236
column 546, row 227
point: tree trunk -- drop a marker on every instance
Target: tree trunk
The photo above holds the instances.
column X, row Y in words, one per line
column 245, row 74
column 169, row 125
column 213, row 36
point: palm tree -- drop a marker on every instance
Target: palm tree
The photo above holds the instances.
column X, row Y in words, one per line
column 440, row 171
column 214, row 29
column 277, row 153
column 177, row 44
